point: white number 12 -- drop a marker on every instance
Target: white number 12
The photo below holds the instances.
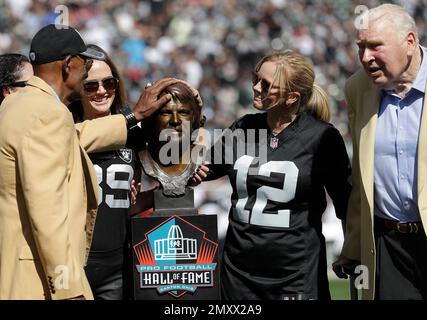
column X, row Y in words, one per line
column 265, row 193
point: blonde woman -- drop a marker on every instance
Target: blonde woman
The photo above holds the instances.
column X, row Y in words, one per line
column 274, row 248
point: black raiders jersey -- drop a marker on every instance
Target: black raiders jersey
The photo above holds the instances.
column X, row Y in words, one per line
column 115, row 171
column 274, row 245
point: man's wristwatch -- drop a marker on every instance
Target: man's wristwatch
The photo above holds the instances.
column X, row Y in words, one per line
column 129, row 115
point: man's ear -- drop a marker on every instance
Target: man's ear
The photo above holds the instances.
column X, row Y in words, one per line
column 6, row 91
column 292, row 98
column 66, row 67
column 198, row 120
column 411, row 41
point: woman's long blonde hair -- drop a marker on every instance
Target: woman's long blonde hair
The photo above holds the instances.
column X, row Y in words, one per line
column 294, row 73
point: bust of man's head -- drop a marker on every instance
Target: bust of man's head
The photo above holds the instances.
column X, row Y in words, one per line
column 175, row 120
column 168, row 157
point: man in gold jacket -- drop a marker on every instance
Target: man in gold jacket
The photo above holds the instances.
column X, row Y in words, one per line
column 387, row 214
column 48, row 187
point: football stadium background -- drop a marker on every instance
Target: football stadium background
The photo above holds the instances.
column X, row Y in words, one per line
column 214, row 45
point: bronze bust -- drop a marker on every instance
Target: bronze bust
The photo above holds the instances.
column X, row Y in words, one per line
column 169, row 156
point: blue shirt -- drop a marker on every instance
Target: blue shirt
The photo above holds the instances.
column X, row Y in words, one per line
column 54, row 93
column 396, row 150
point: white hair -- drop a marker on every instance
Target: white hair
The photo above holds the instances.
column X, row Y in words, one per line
column 397, row 17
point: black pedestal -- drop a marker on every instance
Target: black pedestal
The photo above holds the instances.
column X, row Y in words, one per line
column 167, row 206
column 175, row 251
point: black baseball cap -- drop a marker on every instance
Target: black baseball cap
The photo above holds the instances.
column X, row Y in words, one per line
column 54, row 42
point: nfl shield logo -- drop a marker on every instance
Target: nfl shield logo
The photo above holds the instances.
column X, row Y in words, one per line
column 125, row 155
column 274, row 142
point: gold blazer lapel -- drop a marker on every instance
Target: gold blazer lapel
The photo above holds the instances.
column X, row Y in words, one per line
column 91, row 181
column 368, row 123
column 92, row 200
column 422, row 165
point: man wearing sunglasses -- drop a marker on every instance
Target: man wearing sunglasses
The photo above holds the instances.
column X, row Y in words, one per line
column 48, row 186
column 15, row 71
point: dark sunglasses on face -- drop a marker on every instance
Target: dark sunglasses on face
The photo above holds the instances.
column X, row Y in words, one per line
column 91, row 87
column 265, row 85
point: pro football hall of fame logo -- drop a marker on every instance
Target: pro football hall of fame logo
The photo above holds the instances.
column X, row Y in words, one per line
column 176, row 257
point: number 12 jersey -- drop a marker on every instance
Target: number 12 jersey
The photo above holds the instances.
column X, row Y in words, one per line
column 274, row 246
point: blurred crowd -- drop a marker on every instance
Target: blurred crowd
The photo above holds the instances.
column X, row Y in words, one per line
column 213, row 44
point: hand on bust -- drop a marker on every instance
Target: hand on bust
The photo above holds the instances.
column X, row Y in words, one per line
column 149, row 101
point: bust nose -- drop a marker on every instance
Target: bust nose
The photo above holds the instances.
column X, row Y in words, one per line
column 175, row 119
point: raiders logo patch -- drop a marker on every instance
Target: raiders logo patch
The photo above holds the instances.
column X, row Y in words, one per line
column 125, row 155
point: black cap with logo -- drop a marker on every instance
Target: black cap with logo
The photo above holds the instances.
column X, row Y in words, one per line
column 55, row 42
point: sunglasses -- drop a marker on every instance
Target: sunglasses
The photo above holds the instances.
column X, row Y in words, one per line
column 265, row 85
column 91, row 87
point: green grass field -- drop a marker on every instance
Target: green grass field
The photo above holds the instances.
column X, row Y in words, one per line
column 340, row 289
